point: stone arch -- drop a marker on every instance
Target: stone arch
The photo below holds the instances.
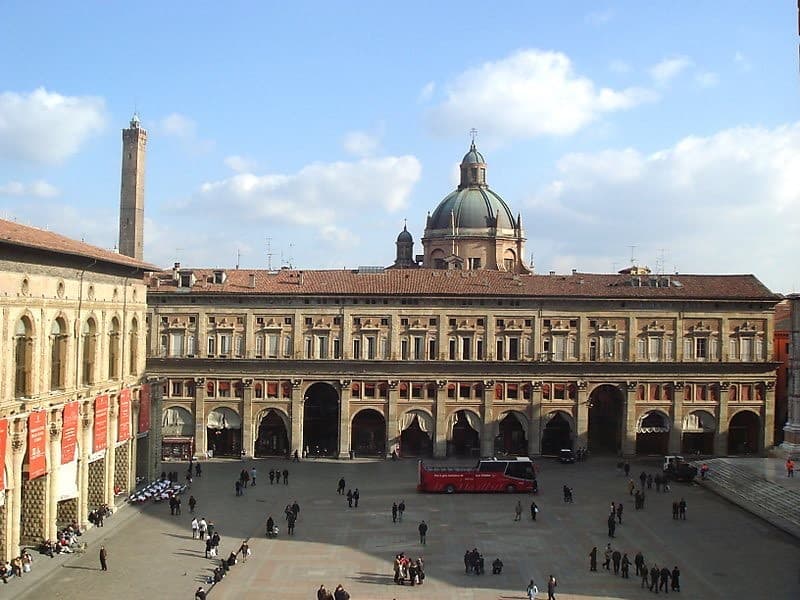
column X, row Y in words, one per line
column 463, row 433
column 652, row 432
column 416, row 427
column 368, row 432
column 744, row 432
column 89, row 349
column 23, row 347
column 321, row 403
column 606, row 407
column 697, row 432
column 58, row 351
column 272, row 426
column 511, row 433
column 558, row 431
column 113, row 351
column 224, row 431
column 177, row 421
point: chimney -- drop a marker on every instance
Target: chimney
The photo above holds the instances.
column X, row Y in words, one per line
column 175, row 268
column 574, row 271
column 552, row 272
column 252, row 281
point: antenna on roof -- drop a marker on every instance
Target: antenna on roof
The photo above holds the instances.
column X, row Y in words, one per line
column 660, row 261
column 614, row 267
column 633, row 254
column 269, row 253
column 238, row 257
column 178, row 254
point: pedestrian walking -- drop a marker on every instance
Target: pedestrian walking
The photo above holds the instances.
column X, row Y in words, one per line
column 195, row 527
column 200, row 594
column 356, row 496
column 534, row 511
column 638, row 562
column 551, row 588
column 238, row 486
column 627, row 468
column 202, row 527
column 423, row 531
column 518, row 511
column 271, row 476
column 340, row 487
column 295, row 509
column 349, row 499
column 649, row 481
column 531, row 590
column 682, row 509
column 631, row 487
column 619, row 513
column 642, row 479
column 192, row 503
column 664, row 578
column 103, row 558
column 789, row 467
column 253, row 476
column 645, row 575
column 593, row 559
column 612, row 525
column 244, row 550
column 607, row 557
column 626, row 566
column 676, row 579
column 394, row 512
column 286, row 477
column 654, row 574
column 401, row 508
column 290, row 521
column 198, row 471
column 209, row 547
column 616, row 558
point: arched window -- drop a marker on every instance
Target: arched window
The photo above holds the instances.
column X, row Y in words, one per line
column 23, row 358
column 58, row 354
column 113, row 349
column 88, row 342
column 133, row 348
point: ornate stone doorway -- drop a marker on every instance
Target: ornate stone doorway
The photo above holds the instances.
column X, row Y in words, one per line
column 273, row 439
column 321, row 420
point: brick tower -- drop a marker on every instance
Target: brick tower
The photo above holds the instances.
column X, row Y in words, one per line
column 131, row 201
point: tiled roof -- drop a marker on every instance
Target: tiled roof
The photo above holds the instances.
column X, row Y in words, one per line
column 15, row 234
column 431, row 282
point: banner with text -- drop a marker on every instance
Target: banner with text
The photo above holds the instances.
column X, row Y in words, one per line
column 69, row 434
column 3, row 441
column 124, row 421
column 144, row 408
column 100, row 423
column 37, row 444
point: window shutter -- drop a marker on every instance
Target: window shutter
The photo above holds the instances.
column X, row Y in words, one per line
column 641, row 348
column 687, row 349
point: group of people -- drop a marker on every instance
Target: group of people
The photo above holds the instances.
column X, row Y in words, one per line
column 473, row 562
column 65, row 543
column 291, row 512
column 655, row 579
column 99, row 514
column 408, row 570
column 398, row 510
column 338, row 594
column 18, row 565
column 533, row 589
column 275, row 476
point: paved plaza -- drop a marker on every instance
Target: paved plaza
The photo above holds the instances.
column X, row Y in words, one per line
column 721, row 550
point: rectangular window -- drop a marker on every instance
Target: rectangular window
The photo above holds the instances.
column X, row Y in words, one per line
column 191, row 345
column 499, row 353
column 287, row 346
column 608, row 347
column 369, row 390
column 239, row 345
column 416, row 390
column 418, row 348
column 212, row 345
column 452, row 349
column 560, row 348
column 463, row 391
column 513, row 348
column 384, row 348
column 508, row 263
column 322, row 346
column 747, row 349
column 546, row 348
column 479, row 349
column 273, row 341
column 337, row 348
column 732, row 349
column 512, row 391
column 224, row 343
column 309, row 347
column 177, row 389
column 272, row 389
column 404, row 349
column 474, row 263
column 372, row 347
column 701, row 348
column 669, row 353
column 654, row 348
column 688, row 346
column 432, row 349
column 356, row 349
column 432, row 322
column 466, row 348
column 259, row 346
column 176, row 343
column 224, row 389
column 641, row 348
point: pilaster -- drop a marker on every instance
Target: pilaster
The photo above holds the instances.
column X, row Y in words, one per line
column 297, row 417
column 440, row 431
column 535, row 425
column 87, row 422
column 248, row 442
column 581, row 432
column 54, row 461
column 156, row 422
column 629, row 422
column 392, row 426
column 768, row 422
column 344, row 418
column 19, row 437
column 721, row 437
column 676, row 430
column 200, row 447
column 487, row 431
column 111, row 451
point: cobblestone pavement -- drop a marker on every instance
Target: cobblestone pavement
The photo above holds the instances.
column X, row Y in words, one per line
column 722, row 551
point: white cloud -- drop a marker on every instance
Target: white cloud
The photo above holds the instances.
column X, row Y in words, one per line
column 619, row 66
column 426, row 93
column 599, row 17
column 35, row 189
column 46, row 127
column 528, row 94
column 361, row 143
column 316, row 197
column 184, row 128
column 706, row 79
column 742, row 61
column 722, row 203
column 240, row 164
column 668, row 69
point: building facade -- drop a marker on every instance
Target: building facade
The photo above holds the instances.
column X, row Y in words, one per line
column 74, row 415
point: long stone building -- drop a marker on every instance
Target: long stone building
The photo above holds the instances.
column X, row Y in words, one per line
column 461, row 351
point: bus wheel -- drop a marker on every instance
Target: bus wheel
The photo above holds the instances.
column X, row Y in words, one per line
column 450, row 489
column 511, row 489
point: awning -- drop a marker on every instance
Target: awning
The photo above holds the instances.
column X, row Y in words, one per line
column 224, row 418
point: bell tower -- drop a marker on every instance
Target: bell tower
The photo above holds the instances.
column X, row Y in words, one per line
column 131, row 199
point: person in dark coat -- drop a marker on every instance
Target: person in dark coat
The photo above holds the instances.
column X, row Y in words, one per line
column 665, row 577
column 423, row 531
column 616, row 557
column 682, row 509
column 654, row 573
column 401, row 508
column 619, row 513
column 286, row 477
column 551, row 588
column 497, row 566
column 645, row 575
column 103, row 559
column 270, row 526
column 626, row 566
column 296, row 509
column 394, row 512
column 534, row 510
column 290, row 521
column 612, row 525
column 209, row 546
column 350, row 498
column 638, row 562
column 676, row 579
column 643, row 478
column 340, row 488
column 200, row 594
column 271, row 476
column 593, row 559
column 607, row 557
column 356, row 496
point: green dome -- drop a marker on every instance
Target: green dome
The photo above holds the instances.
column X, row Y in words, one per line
column 473, row 157
column 472, row 208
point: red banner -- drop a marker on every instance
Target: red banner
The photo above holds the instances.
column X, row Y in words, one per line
column 124, row 421
column 37, row 444
column 69, row 435
column 144, row 408
column 100, row 423
column 3, row 440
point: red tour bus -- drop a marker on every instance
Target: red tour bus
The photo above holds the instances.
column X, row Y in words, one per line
column 516, row 474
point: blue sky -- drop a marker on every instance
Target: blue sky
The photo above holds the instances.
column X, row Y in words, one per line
column 672, row 127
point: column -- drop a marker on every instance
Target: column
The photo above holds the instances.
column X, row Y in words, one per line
column 581, row 432
column 248, row 443
column 721, row 437
column 156, row 422
column 344, row 418
column 297, row 418
column 535, row 425
column 487, row 431
column 133, row 445
column 200, row 447
column 440, row 430
column 87, row 422
column 629, row 422
column 111, row 451
column 54, row 461
column 392, row 429
column 19, row 442
column 676, row 430
column 768, row 425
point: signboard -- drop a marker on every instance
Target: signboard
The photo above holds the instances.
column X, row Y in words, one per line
column 37, row 444
column 124, row 420
column 69, row 434
column 100, row 441
column 3, row 440
column 144, row 408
